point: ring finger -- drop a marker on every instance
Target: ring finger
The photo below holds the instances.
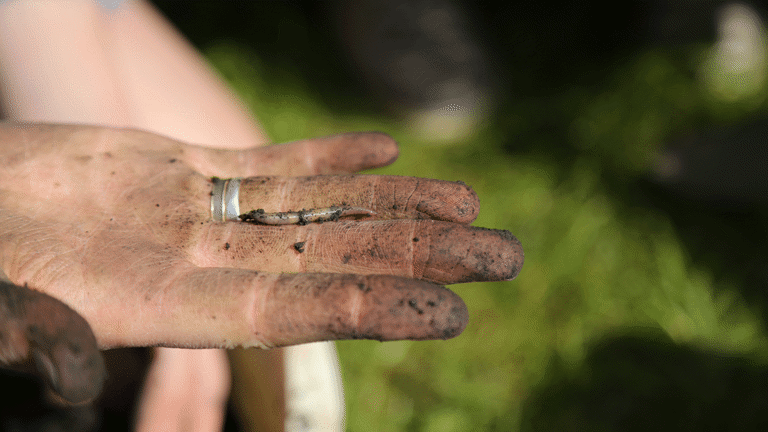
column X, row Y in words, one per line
column 389, row 197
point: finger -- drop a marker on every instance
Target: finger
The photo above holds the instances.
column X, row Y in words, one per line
column 391, row 197
column 208, row 308
column 59, row 340
column 337, row 154
column 440, row 252
column 184, row 390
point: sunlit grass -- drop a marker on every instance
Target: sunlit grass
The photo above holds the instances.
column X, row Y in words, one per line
column 595, row 264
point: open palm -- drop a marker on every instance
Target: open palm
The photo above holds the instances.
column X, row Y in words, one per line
column 117, row 225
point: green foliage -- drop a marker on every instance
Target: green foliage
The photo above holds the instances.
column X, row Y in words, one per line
column 598, row 262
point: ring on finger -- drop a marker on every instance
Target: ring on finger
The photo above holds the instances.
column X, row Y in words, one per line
column 225, row 199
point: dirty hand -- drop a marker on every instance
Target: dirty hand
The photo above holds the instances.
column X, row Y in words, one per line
column 117, row 224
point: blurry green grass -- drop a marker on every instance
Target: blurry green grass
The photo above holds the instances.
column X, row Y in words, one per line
column 595, row 265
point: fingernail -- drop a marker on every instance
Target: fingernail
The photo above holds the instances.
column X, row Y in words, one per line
column 73, row 374
column 82, row 371
column 46, row 368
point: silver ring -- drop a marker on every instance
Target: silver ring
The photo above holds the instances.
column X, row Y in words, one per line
column 225, row 199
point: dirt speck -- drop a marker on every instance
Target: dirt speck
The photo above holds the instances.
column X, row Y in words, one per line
column 413, row 304
column 299, row 246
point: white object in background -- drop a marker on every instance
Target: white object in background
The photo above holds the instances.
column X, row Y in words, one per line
column 314, row 392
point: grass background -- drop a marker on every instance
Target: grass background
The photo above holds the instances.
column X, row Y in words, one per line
column 636, row 308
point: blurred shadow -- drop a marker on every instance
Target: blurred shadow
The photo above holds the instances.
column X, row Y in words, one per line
column 643, row 381
column 714, row 189
column 295, row 40
column 30, row 407
column 26, row 405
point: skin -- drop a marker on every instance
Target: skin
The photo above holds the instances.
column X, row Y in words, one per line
column 116, row 224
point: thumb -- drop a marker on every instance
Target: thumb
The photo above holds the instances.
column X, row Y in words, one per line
column 58, row 339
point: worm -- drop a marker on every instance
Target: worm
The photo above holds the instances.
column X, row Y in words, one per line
column 305, row 216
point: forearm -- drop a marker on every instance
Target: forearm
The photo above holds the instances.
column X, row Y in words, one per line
column 52, row 65
column 169, row 86
column 125, row 68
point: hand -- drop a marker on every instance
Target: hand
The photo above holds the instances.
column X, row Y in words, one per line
column 117, row 225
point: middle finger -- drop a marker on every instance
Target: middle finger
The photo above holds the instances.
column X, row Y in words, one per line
column 436, row 251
